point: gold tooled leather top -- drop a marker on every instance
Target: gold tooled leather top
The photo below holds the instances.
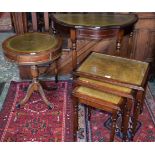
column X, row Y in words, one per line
column 106, row 97
column 32, row 42
column 116, row 68
column 94, row 19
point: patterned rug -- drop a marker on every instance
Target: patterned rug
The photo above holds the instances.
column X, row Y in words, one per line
column 150, row 97
column 108, row 124
column 99, row 127
column 34, row 121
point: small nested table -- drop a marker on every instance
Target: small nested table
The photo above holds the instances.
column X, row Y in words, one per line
column 95, row 26
column 103, row 101
column 33, row 49
column 120, row 76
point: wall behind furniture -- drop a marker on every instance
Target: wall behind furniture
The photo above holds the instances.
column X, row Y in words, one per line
column 144, row 40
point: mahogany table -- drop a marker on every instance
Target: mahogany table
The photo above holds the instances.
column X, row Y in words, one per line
column 95, row 26
column 122, row 72
column 33, row 49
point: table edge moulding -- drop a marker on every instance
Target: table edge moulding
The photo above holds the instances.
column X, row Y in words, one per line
column 91, row 31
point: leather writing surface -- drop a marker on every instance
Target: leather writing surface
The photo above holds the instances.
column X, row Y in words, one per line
column 117, row 68
column 32, row 42
column 95, row 19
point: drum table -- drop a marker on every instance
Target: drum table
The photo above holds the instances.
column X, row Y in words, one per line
column 33, row 49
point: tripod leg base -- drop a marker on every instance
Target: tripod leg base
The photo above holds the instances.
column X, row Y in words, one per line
column 50, row 105
column 28, row 95
column 35, row 87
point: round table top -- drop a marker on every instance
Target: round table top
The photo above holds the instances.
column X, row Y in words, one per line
column 32, row 48
column 31, row 42
column 94, row 20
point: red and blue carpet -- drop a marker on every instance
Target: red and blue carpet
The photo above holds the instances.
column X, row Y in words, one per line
column 33, row 121
column 99, row 127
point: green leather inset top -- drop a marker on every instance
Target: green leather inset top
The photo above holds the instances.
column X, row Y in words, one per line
column 106, row 85
column 32, row 42
column 116, row 68
column 95, row 19
column 99, row 95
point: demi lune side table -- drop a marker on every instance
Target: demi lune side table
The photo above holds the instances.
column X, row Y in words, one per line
column 95, row 26
column 33, row 49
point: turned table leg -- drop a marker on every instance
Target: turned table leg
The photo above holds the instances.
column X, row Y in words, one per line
column 113, row 127
column 138, row 106
column 118, row 42
column 74, row 52
column 75, row 117
column 126, row 117
column 130, row 50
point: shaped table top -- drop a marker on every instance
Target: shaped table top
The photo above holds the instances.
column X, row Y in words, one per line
column 115, row 68
column 94, row 20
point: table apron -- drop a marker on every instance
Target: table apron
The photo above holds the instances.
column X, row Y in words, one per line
column 28, row 59
column 96, row 33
